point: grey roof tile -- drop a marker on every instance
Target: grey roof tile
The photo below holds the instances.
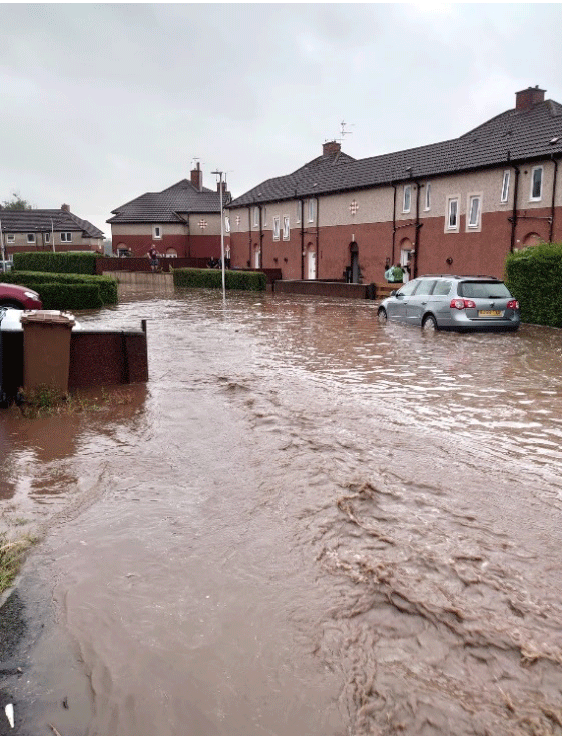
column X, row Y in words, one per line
column 519, row 135
column 168, row 205
column 32, row 221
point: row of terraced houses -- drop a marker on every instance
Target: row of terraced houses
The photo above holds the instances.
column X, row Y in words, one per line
column 458, row 206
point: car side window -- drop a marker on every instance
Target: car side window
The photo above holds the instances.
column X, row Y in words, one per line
column 408, row 289
column 426, row 288
column 442, row 288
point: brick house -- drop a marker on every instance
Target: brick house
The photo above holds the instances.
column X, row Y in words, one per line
column 45, row 230
column 182, row 220
column 458, row 206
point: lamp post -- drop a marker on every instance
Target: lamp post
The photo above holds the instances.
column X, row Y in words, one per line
column 4, row 269
column 220, row 174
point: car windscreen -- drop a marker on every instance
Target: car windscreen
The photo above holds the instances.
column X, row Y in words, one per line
column 483, row 290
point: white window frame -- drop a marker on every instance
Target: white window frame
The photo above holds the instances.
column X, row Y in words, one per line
column 11, row 238
column 505, row 186
column 31, row 238
column 256, row 211
column 311, row 209
column 471, row 224
column 264, row 218
column 298, row 211
column 46, row 237
column 533, row 170
column 428, row 197
column 286, row 230
column 157, row 232
column 407, row 198
column 227, row 224
column 66, row 237
column 276, row 228
column 454, row 228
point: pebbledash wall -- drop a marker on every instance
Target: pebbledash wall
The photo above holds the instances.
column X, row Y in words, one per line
column 369, row 224
column 198, row 238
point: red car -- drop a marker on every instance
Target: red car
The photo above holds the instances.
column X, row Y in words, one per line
column 19, row 297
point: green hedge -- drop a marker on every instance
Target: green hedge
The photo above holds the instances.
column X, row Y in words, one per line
column 210, row 278
column 84, row 263
column 71, row 296
column 107, row 286
column 534, row 277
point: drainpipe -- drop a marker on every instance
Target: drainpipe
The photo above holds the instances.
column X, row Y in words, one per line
column 555, row 162
column 513, row 220
column 394, row 226
column 317, row 237
column 418, row 226
column 303, row 238
column 249, row 207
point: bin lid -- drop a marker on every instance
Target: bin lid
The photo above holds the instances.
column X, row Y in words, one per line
column 47, row 317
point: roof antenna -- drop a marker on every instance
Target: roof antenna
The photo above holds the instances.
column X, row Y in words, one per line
column 344, row 132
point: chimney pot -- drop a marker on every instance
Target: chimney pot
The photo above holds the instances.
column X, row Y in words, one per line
column 526, row 99
column 65, row 207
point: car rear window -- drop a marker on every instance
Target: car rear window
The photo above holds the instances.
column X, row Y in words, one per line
column 483, row 289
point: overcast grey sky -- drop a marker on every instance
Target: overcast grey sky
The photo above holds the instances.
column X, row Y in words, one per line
column 101, row 103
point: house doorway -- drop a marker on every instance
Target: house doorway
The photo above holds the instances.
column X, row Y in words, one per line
column 355, row 269
column 256, row 263
column 311, row 263
column 405, row 257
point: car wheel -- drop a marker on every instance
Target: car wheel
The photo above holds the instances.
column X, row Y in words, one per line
column 382, row 316
column 429, row 323
column 13, row 305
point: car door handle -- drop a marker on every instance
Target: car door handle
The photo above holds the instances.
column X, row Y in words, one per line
column 424, row 302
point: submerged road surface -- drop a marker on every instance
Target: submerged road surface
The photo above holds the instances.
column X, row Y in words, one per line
column 306, row 524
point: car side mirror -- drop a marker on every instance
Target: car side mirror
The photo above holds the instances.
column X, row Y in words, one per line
column 393, row 293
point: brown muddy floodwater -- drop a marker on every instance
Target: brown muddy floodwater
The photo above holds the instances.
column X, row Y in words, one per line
column 306, row 524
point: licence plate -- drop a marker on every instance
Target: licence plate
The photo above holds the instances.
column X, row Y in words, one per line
column 489, row 313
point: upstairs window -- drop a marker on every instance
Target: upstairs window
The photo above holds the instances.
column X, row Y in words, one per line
column 428, row 197
column 264, row 218
column 536, row 183
column 66, row 237
column 452, row 214
column 286, row 233
column 505, row 186
column 31, row 237
column 276, row 228
column 46, row 237
column 407, row 198
column 227, row 225
column 255, row 216
column 10, row 238
column 474, row 212
column 311, row 210
column 157, row 232
column 298, row 211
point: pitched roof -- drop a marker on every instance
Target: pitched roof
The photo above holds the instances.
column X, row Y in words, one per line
column 168, row 205
column 515, row 135
column 33, row 221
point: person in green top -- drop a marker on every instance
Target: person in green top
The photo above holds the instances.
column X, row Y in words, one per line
column 394, row 274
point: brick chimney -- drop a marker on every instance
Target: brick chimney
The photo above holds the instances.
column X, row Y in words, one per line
column 196, row 177
column 223, row 185
column 65, row 207
column 528, row 98
column 331, row 148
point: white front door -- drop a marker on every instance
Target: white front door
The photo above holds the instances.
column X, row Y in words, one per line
column 311, row 265
column 257, row 258
column 404, row 259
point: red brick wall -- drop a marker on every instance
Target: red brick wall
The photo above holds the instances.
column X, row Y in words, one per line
column 193, row 246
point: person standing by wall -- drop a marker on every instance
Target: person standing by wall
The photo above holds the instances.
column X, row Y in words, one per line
column 153, row 258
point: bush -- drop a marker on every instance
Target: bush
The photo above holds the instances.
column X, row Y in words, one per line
column 210, row 278
column 107, row 286
column 84, row 263
column 71, row 296
column 534, row 277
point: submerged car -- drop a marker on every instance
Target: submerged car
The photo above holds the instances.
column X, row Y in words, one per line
column 445, row 302
column 19, row 297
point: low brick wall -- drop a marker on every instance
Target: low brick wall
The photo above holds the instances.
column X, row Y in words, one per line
column 97, row 358
column 323, row 288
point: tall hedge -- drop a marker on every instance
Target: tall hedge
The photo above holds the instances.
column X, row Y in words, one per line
column 71, row 296
column 210, row 278
column 84, row 262
column 107, row 286
column 534, row 277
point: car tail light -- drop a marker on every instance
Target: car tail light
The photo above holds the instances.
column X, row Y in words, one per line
column 513, row 304
column 462, row 304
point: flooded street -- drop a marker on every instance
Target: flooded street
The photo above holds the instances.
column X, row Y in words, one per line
column 305, row 524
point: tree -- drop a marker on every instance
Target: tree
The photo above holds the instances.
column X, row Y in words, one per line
column 16, row 204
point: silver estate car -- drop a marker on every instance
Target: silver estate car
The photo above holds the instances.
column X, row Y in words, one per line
column 452, row 303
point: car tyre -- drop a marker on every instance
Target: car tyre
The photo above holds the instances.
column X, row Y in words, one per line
column 429, row 323
column 382, row 316
column 13, row 305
